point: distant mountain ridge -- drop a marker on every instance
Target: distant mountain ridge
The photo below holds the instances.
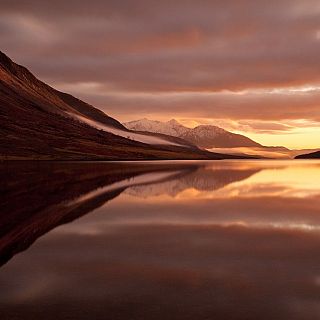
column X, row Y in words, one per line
column 312, row 155
column 203, row 136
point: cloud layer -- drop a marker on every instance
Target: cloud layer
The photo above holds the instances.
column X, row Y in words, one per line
column 236, row 60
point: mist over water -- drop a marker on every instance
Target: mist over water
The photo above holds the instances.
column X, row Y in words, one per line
column 160, row 240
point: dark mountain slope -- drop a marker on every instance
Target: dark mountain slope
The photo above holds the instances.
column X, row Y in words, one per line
column 39, row 122
column 89, row 111
column 312, row 155
column 22, row 82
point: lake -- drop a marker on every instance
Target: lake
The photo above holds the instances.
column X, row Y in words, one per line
column 160, row 240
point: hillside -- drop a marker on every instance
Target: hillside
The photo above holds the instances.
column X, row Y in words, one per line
column 39, row 122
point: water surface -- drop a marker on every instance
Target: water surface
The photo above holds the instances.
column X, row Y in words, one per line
column 162, row 240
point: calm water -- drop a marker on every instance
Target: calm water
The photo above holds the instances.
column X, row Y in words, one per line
column 170, row 240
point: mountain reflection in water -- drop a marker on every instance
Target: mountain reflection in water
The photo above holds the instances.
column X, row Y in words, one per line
column 161, row 240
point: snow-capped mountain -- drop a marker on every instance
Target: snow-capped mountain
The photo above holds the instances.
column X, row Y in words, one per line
column 203, row 136
column 171, row 128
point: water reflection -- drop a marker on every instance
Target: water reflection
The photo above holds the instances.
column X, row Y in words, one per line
column 36, row 198
column 191, row 240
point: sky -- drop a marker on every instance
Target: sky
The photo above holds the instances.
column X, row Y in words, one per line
column 250, row 66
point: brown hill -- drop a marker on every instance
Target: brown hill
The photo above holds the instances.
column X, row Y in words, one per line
column 39, row 122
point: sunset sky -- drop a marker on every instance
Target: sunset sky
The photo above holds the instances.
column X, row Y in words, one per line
column 248, row 66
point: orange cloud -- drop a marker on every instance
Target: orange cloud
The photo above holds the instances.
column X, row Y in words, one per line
column 235, row 60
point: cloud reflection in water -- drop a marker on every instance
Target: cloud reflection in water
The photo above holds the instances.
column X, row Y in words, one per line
column 226, row 240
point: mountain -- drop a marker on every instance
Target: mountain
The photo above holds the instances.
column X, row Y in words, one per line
column 312, row 155
column 39, row 122
column 203, row 136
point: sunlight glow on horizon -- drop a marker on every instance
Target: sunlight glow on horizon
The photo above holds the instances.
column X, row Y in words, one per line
column 305, row 136
column 272, row 179
column 298, row 138
column 237, row 67
column 295, row 133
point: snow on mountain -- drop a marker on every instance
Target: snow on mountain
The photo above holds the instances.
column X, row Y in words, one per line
column 171, row 128
column 203, row 136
